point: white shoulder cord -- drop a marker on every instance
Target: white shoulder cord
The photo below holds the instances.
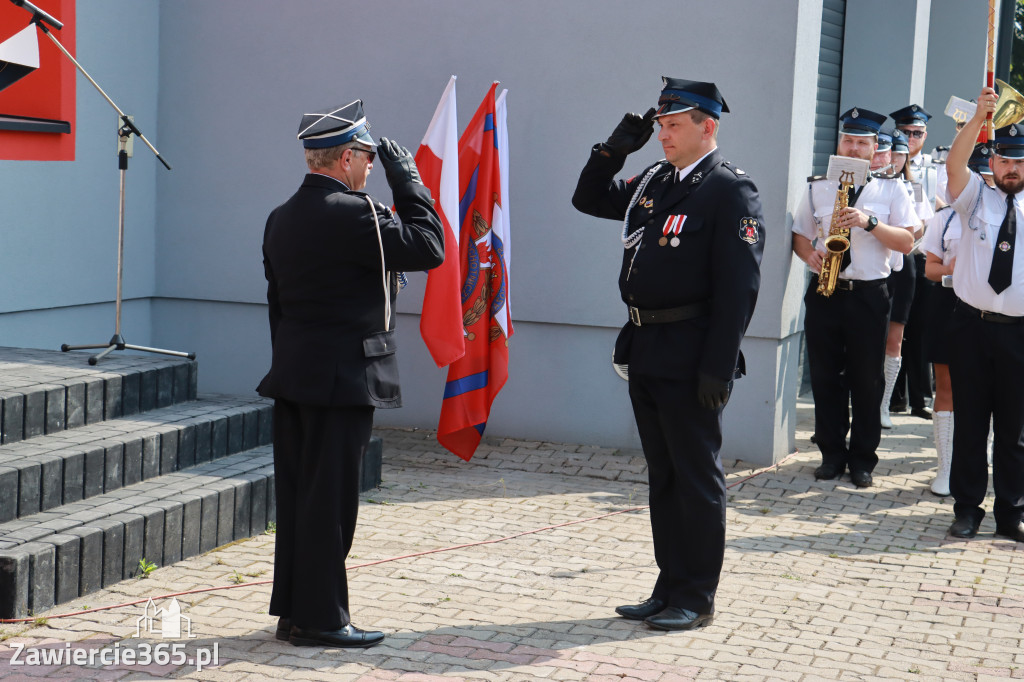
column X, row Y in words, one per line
column 387, row 292
column 631, row 240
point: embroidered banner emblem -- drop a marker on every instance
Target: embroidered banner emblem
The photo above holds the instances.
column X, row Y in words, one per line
column 748, row 230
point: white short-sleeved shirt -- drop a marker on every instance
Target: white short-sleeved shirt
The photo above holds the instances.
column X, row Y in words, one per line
column 885, row 199
column 924, row 209
column 941, row 181
column 942, row 235
column 981, row 209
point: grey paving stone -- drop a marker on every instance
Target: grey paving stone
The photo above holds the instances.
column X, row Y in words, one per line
column 153, row 541
column 12, row 418
column 208, row 532
column 113, row 549
column 186, row 446
column 51, row 482
column 35, row 413
column 191, row 523
column 29, row 488
column 130, row 386
column 180, row 389
column 203, row 433
column 235, row 432
column 95, row 472
column 76, row 406
column 243, row 507
column 147, row 390
column 90, row 552
column 74, row 476
column 8, row 494
column 250, row 429
column 258, row 497
column 15, row 566
column 219, row 438
column 42, row 576
column 112, row 405
column 225, row 512
column 113, row 468
column 133, row 548
column 168, row 451
column 56, row 406
column 66, row 567
column 266, row 425
column 193, row 380
column 173, row 521
column 150, row 455
column 132, row 461
column 165, row 386
column 95, row 390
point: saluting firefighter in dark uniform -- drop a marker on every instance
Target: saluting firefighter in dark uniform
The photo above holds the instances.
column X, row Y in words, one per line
column 693, row 235
column 846, row 332
column 986, row 332
column 331, row 254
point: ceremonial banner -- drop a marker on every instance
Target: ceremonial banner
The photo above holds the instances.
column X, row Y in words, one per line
column 438, row 162
column 475, row 379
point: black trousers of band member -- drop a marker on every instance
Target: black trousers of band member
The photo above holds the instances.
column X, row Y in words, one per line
column 845, row 335
column 987, row 372
column 914, row 383
column 681, row 442
column 317, row 455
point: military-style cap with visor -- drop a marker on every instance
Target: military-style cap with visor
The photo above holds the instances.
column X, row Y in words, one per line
column 1009, row 141
column 979, row 159
column 910, row 115
column 861, row 122
column 679, row 95
column 335, row 126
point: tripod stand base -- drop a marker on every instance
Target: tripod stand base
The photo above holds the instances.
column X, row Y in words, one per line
column 117, row 343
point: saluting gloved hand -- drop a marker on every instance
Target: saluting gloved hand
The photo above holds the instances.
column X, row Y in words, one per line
column 632, row 132
column 399, row 166
column 712, row 393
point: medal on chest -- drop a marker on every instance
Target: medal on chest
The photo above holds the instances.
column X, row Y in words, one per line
column 673, row 226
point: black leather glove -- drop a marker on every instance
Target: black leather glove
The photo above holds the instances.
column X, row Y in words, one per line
column 712, row 393
column 632, row 132
column 399, row 166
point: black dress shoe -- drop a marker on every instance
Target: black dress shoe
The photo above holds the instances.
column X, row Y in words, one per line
column 921, row 412
column 675, row 618
column 861, row 479
column 826, row 472
column 348, row 637
column 964, row 527
column 1012, row 532
column 284, row 626
column 641, row 610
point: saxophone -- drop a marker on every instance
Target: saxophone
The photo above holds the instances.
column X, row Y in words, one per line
column 838, row 239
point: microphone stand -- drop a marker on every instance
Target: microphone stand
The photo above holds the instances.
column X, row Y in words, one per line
column 127, row 129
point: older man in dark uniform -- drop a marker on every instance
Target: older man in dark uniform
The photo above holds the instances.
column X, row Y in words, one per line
column 693, row 235
column 331, row 255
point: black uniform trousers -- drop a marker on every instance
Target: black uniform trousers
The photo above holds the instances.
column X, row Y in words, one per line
column 318, row 452
column 845, row 335
column 681, row 442
column 986, row 369
column 914, row 382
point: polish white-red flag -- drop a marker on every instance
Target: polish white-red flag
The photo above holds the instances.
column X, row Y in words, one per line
column 438, row 161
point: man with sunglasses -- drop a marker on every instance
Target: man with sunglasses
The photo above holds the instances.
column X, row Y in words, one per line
column 331, row 255
column 914, row 384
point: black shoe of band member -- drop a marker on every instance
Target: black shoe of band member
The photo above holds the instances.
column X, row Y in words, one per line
column 827, row 472
column 284, row 626
column 861, row 479
column 348, row 637
column 675, row 618
column 641, row 610
column 921, row 412
column 1012, row 532
column 964, row 527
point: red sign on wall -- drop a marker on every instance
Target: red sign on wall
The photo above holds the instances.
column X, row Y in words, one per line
column 46, row 93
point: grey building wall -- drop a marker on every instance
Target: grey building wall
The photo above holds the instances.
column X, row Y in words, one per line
column 219, row 87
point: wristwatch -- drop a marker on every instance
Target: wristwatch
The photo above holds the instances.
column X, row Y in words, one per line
column 872, row 224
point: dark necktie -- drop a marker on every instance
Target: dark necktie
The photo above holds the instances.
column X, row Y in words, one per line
column 852, row 196
column 1001, row 274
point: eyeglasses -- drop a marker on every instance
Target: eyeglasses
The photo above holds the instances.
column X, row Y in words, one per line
column 370, row 154
column 912, row 133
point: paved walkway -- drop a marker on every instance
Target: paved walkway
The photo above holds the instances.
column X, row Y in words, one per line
column 822, row 581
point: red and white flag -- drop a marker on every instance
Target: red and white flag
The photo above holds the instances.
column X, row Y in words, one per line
column 438, row 161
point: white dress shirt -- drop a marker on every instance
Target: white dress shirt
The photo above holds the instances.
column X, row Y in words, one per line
column 885, row 199
column 924, row 173
column 981, row 209
column 942, row 235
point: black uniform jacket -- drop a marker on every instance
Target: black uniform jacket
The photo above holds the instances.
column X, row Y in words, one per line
column 326, row 293
column 717, row 261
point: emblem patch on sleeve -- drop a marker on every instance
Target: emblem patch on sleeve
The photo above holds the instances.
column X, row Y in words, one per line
column 748, row 230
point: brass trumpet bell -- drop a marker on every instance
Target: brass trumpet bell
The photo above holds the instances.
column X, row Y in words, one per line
column 1009, row 106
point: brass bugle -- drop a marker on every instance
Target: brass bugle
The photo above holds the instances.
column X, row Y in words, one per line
column 1009, row 106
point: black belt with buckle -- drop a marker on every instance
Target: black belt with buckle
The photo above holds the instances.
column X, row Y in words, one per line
column 986, row 315
column 853, row 284
column 685, row 312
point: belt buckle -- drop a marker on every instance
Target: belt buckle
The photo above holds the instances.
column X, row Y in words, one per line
column 845, row 284
column 634, row 315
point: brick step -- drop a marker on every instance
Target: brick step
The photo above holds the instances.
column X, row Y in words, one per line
column 44, row 392
column 45, row 472
column 53, row 557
